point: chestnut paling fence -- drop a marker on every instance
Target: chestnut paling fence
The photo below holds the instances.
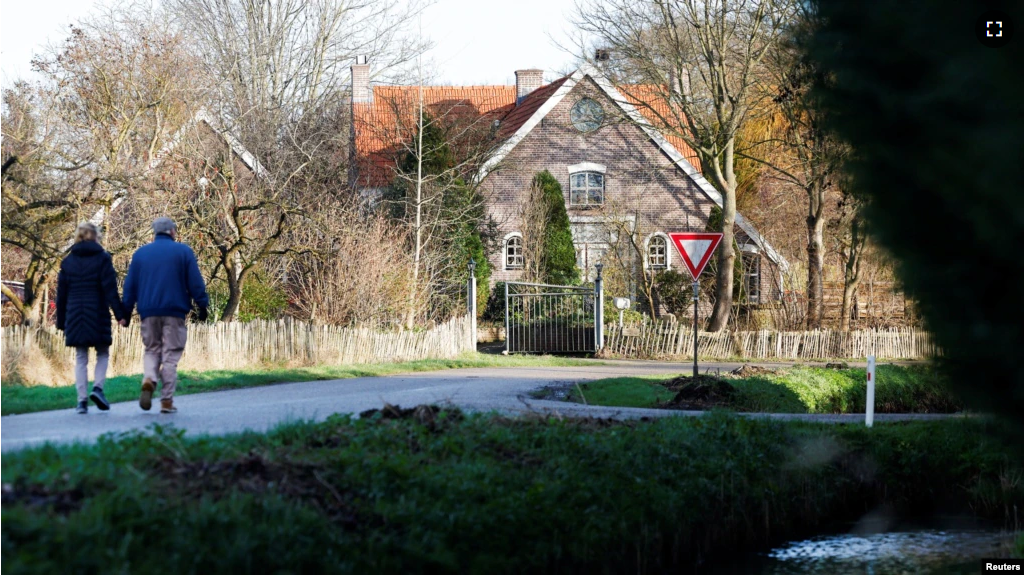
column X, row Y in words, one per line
column 40, row 357
column 663, row 339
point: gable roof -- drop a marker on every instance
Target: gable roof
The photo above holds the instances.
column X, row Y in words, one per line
column 381, row 125
column 681, row 155
column 374, row 149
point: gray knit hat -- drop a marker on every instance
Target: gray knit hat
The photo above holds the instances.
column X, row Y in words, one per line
column 164, row 225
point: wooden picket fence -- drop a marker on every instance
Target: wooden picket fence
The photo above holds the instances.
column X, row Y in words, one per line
column 39, row 356
column 660, row 339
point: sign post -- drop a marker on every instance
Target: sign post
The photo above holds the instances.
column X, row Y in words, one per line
column 695, row 249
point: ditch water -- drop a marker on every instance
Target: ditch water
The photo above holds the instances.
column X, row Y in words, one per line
column 903, row 550
column 920, row 552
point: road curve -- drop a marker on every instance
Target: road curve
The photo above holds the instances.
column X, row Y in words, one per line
column 259, row 409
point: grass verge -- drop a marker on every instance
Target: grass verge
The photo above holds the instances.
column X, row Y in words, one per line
column 17, row 398
column 443, row 492
column 802, row 390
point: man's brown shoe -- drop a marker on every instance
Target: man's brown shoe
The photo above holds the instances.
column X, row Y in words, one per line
column 146, row 399
column 167, row 407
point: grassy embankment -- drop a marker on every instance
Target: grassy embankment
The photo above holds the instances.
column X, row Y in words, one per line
column 440, row 492
column 899, row 389
column 18, row 398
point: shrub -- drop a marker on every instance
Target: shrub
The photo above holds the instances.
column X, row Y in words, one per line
column 437, row 491
column 944, row 195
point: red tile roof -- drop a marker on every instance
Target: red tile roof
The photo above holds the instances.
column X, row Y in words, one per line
column 383, row 125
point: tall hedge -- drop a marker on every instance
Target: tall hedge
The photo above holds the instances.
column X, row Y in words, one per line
column 935, row 120
column 559, row 251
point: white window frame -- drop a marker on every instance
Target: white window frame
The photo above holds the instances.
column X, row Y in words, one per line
column 668, row 252
column 505, row 255
column 749, row 275
column 587, row 168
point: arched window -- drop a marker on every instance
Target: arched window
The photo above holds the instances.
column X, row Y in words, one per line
column 657, row 252
column 514, row 252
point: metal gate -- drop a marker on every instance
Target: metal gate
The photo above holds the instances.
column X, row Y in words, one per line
column 552, row 319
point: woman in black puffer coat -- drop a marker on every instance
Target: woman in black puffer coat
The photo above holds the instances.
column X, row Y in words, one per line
column 86, row 291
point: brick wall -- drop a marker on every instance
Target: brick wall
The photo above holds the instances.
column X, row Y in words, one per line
column 639, row 177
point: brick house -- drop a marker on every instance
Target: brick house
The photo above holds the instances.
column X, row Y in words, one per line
column 618, row 175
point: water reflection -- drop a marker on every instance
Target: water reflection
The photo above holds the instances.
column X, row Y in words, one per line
column 913, row 552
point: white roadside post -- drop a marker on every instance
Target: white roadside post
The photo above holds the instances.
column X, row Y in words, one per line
column 869, row 412
column 471, row 300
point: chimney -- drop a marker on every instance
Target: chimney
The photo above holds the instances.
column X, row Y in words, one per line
column 361, row 90
column 527, row 81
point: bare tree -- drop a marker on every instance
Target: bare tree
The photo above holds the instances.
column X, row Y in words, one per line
column 798, row 150
column 82, row 139
column 280, row 71
column 852, row 239
column 435, row 149
column 40, row 203
column 285, row 57
column 702, row 58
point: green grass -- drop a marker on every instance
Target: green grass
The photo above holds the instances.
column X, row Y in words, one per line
column 483, row 493
column 801, row 390
column 16, row 398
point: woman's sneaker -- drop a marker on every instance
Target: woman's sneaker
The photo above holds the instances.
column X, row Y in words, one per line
column 83, row 407
column 99, row 399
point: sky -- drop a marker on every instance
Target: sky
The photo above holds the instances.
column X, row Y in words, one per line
column 477, row 42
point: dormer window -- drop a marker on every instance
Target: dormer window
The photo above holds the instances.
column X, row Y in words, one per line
column 586, row 185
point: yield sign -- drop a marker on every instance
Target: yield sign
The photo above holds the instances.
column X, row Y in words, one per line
column 696, row 248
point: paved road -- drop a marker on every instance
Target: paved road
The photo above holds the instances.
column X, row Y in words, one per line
column 502, row 389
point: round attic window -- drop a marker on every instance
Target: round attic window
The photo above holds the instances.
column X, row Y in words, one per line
column 586, row 115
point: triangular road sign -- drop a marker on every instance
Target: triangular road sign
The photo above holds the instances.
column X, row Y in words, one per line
column 696, row 248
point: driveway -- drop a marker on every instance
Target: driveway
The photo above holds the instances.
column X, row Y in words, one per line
column 260, row 409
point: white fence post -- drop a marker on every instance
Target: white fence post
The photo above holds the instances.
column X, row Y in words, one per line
column 869, row 412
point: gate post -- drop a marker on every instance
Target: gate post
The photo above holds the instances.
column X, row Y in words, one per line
column 598, row 310
column 471, row 301
column 508, row 334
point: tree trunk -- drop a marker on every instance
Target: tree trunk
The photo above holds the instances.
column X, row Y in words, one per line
column 815, row 257
column 726, row 251
column 410, row 319
column 851, row 279
column 30, row 308
column 234, row 293
column 22, row 307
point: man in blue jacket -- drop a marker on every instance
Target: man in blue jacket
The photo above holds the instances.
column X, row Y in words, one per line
column 164, row 280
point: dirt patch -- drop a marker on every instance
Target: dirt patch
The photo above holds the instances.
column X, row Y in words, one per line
column 701, row 393
column 62, row 502
column 428, row 415
column 255, row 473
column 747, row 371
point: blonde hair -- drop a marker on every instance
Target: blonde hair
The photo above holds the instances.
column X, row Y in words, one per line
column 87, row 231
